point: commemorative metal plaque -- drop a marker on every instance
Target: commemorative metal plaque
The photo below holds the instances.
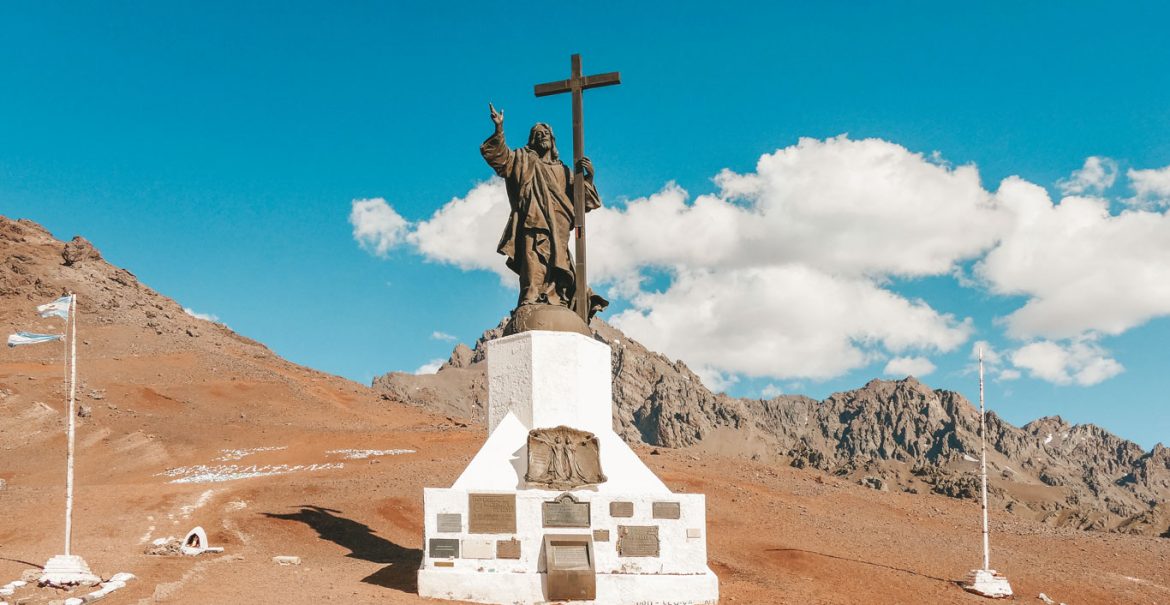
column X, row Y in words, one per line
column 601, row 535
column 621, row 509
column 571, row 572
column 449, row 523
column 508, row 549
column 570, row 556
column 443, row 548
column 666, row 510
column 491, row 513
column 478, row 548
column 637, row 541
column 565, row 511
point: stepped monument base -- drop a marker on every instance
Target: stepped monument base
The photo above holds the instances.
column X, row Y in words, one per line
column 579, row 517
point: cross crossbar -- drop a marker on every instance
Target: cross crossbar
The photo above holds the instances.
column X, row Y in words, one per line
column 552, row 88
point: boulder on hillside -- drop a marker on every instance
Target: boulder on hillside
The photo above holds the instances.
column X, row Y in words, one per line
column 79, row 250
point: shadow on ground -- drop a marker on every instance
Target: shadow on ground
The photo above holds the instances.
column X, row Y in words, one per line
column 401, row 571
column 863, row 562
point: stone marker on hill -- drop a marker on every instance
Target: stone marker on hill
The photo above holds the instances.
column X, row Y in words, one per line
column 557, row 506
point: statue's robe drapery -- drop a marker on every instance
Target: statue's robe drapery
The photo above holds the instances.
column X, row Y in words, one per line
column 536, row 237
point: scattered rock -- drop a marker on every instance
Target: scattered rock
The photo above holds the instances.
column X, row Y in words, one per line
column 286, row 560
column 874, row 483
column 165, row 547
column 78, row 250
column 83, row 411
column 1046, row 599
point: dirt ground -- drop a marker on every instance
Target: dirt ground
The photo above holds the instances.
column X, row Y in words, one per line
column 158, row 409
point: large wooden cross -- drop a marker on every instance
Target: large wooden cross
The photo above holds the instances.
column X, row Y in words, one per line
column 576, row 84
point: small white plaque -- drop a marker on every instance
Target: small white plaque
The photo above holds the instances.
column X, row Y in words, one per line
column 479, row 549
column 694, row 532
column 449, row 523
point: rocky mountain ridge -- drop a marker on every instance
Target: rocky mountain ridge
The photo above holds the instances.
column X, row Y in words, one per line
column 887, row 435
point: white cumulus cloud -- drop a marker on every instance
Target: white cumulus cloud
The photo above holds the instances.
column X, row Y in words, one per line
column 430, row 367
column 785, row 271
column 1151, row 187
column 909, row 366
column 1097, row 175
column 1082, row 362
column 377, row 227
column 443, row 336
column 1082, row 268
column 785, row 321
column 771, row 390
column 204, row 316
column 466, row 231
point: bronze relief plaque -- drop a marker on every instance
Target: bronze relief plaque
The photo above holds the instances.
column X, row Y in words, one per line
column 565, row 511
column 666, row 510
column 443, row 548
column 637, row 541
column 601, row 535
column 621, row 509
column 491, row 513
column 449, row 523
column 563, row 458
column 508, row 549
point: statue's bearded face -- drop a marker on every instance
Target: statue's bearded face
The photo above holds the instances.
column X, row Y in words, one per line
column 541, row 139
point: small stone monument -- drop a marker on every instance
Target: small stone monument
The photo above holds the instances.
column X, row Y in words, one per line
column 555, row 506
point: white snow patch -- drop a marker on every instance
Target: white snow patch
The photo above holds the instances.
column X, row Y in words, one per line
column 969, row 458
column 146, row 537
column 363, row 454
column 230, row 455
column 204, row 498
column 201, row 473
column 1048, row 439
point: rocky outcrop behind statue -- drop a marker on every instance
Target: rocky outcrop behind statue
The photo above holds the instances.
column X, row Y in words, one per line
column 893, row 434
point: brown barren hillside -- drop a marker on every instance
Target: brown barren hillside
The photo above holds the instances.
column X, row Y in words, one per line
column 190, row 424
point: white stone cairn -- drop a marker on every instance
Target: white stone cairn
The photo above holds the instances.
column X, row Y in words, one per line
column 985, row 581
column 538, row 380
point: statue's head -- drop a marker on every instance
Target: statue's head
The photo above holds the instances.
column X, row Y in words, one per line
column 541, row 139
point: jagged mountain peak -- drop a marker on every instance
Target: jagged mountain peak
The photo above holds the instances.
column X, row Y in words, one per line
column 889, row 432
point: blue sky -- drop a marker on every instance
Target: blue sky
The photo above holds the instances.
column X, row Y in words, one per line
column 217, row 150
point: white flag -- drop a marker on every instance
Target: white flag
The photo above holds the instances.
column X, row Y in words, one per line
column 29, row 338
column 57, row 308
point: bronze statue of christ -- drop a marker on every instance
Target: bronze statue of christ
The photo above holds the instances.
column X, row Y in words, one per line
column 536, row 237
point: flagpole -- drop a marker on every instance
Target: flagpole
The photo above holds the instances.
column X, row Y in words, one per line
column 72, row 424
column 983, row 464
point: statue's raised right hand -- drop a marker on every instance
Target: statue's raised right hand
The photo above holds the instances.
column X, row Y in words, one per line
column 497, row 116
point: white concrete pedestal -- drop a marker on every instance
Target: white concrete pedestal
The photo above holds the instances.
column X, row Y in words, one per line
column 543, row 379
column 68, row 570
column 988, row 583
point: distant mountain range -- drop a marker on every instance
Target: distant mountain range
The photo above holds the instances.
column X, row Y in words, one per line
column 888, row 435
